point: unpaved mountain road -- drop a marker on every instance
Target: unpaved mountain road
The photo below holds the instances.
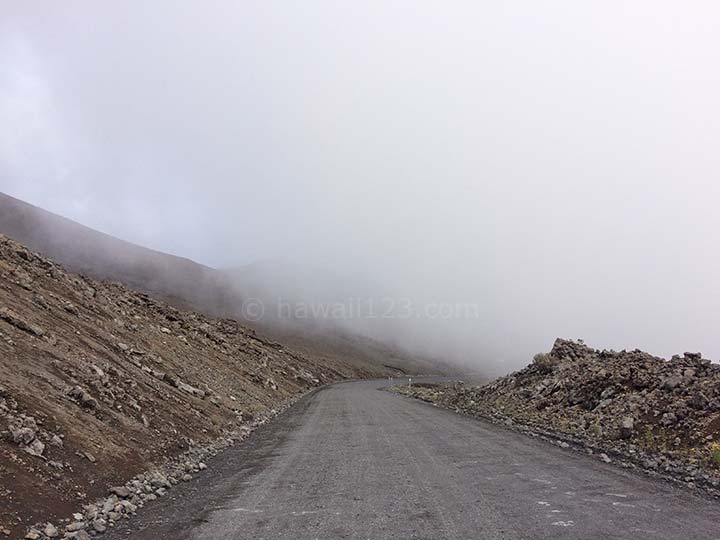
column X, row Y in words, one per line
column 354, row 461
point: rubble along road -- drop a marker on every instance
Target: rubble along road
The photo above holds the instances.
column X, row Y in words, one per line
column 354, row 461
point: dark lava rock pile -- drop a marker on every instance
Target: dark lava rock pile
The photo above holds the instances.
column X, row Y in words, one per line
column 645, row 412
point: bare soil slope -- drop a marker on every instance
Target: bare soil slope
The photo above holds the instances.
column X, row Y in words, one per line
column 99, row 383
column 186, row 284
column 86, row 251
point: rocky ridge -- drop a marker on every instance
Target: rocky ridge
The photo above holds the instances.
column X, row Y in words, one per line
column 644, row 412
column 103, row 388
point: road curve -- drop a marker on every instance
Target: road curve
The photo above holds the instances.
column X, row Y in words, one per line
column 354, row 461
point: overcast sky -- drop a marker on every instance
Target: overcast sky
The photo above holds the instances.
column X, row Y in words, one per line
column 555, row 162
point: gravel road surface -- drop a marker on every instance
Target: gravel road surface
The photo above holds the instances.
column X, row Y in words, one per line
column 355, row 461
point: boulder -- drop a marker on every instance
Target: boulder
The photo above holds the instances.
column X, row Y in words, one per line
column 627, row 426
column 671, row 383
column 22, row 435
column 698, row 401
column 79, row 535
column 99, row 525
column 83, row 397
column 180, row 385
column 9, row 316
column 76, row 526
column 121, row 491
column 35, row 448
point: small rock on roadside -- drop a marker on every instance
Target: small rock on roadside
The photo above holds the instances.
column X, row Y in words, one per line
column 121, row 491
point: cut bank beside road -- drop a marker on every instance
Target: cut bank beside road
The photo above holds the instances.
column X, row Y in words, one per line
column 99, row 383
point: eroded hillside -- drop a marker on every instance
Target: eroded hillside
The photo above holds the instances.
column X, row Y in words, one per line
column 99, row 383
column 185, row 284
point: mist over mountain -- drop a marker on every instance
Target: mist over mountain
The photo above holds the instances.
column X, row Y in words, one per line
column 238, row 294
column 87, row 251
column 328, row 269
column 490, row 176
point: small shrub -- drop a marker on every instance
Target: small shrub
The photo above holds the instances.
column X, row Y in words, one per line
column 715, row 453
column 649, row 438
column 545, row 362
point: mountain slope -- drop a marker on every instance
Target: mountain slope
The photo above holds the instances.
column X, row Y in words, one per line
column 99, row 383
column 187, row 284
column 86, row 251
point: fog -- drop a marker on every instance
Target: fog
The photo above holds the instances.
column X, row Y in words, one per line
column 554, row 164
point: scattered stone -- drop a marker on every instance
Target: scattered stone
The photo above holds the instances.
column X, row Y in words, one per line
column 109, row 503
column 22, row 435
column 51, row 531
column 79, row 535
column 35, row 448
column 121, row 491
column 180, row 385
column 650, row 464
column 82, row 397
column 70, row 308
column 698, row 401
column 76, row 526
column 9, row 316
column 100, row 525
column 626, row 427
column 56, row 441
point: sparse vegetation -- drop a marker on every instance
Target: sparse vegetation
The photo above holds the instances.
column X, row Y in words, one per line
column 715, row 453
column 649, row 438
column 545, row 362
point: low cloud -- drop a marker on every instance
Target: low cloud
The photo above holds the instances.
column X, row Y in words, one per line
column 554, row 166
